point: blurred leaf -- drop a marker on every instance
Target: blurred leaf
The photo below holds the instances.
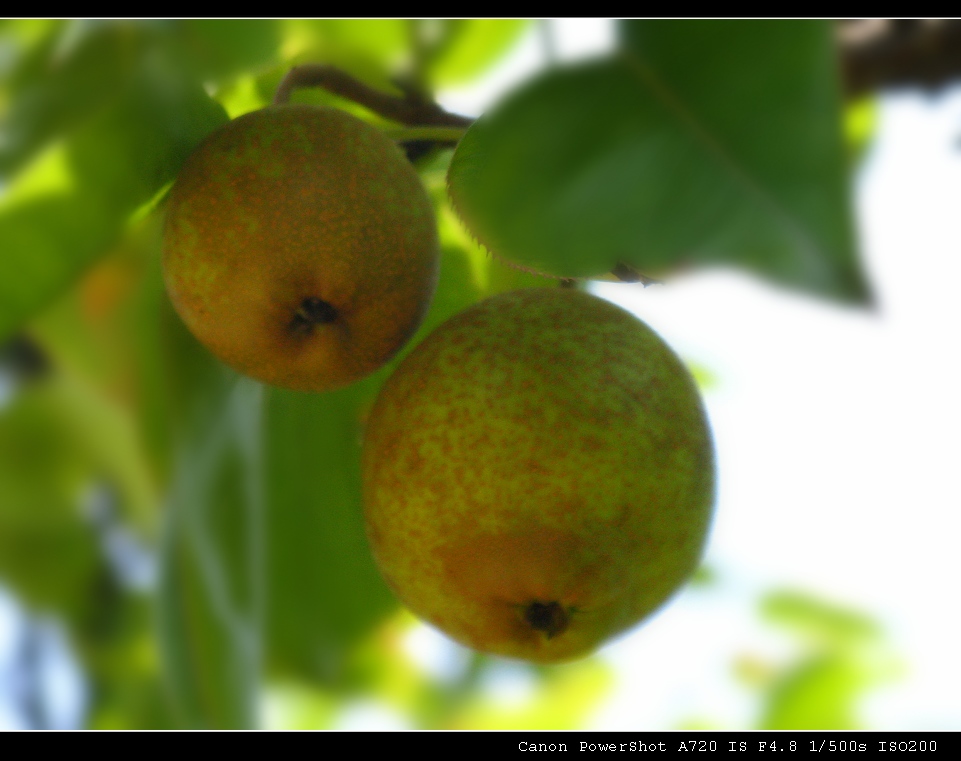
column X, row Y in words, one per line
column 211, row 590
column 19, row 33
column 88, row 331
column 860, row 126
column 118, row 652
column 69, row 73
column 104, row 432
column 131, row 703
column 201, row 424
column 72, row 202
column 704, row 576
column 345, row 39
column 827, row 623
column 702, row 142
column 842, row 656
column 242, row 96
column 563, row 699
column 705, row 378
column 48, row 553
column 222, row 48
column 324, row 590
column 293, row 706
column 210, row 597
column 47, row 240
column 171, row 368
column 470, row 46
column 90, row 336
column 57, row 454
column 819, row 694
column 372, row 49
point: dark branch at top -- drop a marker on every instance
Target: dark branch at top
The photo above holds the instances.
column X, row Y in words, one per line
column 412, row 109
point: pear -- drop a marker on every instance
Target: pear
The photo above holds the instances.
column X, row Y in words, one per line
column 538, row 475
column 300, row 247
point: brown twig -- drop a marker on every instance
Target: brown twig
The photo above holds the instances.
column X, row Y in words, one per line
column 411, row 109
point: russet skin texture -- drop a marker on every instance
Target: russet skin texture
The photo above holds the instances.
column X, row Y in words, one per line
column 300, row 247
column 538, row 475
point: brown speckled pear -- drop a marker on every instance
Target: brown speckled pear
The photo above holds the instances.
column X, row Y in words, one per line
column 538, row 475
column 300, row 247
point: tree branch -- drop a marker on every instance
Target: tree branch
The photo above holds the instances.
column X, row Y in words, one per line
column 889, row 53
column 411, row 109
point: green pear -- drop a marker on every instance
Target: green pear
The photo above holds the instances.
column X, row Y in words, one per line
column 538, row 475
column 300, row 247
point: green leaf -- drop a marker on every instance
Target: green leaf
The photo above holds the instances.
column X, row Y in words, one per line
column 831, row 625
column 563, row 698
column 210, row 598
column 372, row 49
column 471, row 46
column 324, row 590
column 860, row 126
column 379, row 41
column 67, row 208
column 70, row 72
column 820, row 693
column 46, row 244
column 702, row 142
column 58, row 453
column 221, row 48
column 48, row 553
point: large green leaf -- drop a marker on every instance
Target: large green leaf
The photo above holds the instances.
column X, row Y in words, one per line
column 210, row 599
column 203, row 423
column 371, row 49
column 820, row 693
column 220, row 48
column 700, row 142
column 469, row 46
column 829, row 625
column 69, row 72
column 843, row 658
column 324, row 590
column 344, row 39
column 109, row 156
column 49, row 553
